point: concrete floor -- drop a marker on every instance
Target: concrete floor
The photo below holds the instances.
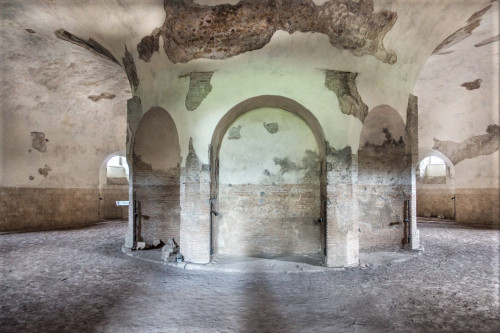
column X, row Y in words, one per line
column 80, row 281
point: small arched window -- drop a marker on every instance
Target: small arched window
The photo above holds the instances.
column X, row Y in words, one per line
column 433, row 170
column 117, row 171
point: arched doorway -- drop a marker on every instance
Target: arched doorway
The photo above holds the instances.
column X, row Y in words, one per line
column 435, row 186
column 268, row 181
column 156, row 178
column 113, row 186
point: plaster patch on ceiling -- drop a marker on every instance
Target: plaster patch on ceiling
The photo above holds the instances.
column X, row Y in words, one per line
column 192, row 31
column 476, row 84
column 89, row 44
column 105, row 95
column 199, row 88
column 465, row 31
column 149, row 45
column 488, row 41
column 129, row 65
column 472, row 147
column 343, row 84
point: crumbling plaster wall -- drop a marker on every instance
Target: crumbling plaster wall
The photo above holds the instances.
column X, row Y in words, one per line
column 384, row 179
column 291, row 65
column 269, row 186
column 53, row 136
column 449, row 112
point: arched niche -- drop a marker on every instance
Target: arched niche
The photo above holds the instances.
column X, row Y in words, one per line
column 275, row 203
column 436, row 197
column 384, row 178
column 156, row 177
column 110, row 192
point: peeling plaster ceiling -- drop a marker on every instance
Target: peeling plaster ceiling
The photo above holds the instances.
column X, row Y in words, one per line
column 37, row 67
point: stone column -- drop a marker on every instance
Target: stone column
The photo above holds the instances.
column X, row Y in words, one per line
column 195, row 210
column 412, row 129
column 342, row 238
column 134, row 114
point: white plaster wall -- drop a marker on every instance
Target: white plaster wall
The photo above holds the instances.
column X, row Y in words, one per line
column 45, row 87
column 243, row 161
column 290, row 65
column 448, row 111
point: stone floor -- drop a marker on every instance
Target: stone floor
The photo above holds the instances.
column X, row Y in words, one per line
column 276, row 264
column 80, row 281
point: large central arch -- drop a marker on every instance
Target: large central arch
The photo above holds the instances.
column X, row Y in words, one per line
column 266, row 101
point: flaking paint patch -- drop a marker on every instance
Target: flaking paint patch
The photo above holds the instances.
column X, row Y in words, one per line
column 44, row 171
column 343, row 84
column 271, row 127
column 472, row 147
column 199, row 88
column 38, row 141
column 104, row 95
column 193, row 31
column 476, row 84
column 234, row 133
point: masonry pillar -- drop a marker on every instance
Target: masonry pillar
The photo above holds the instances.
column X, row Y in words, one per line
column 342, row 238
column 134, row 114
column 195, row 210
column 412, row 129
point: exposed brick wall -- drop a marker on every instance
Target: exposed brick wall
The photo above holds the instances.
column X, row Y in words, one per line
column 478, row 206
column 267, row 219
column 107, row 205
column 436, row 202
column 158, row 197
column 384, row 183
column 24, row 208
